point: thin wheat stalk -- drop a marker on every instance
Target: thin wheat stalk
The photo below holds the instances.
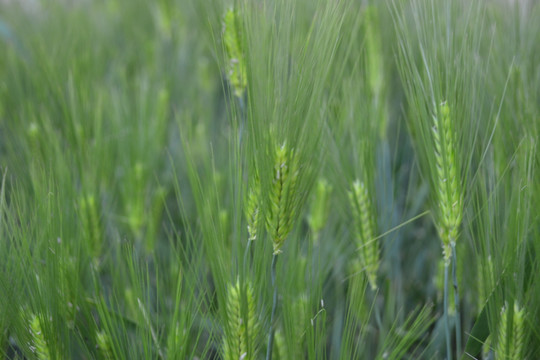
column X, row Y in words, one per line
column 153, row 332
column 446, row 319
column 456, row 300
column 274, row 309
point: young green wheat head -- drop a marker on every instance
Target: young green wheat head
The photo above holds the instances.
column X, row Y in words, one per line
column 283, row 196
column 363, row 218
column 39, row 346
column 448, row 189
column 319, row 207
column 511, row 339
column 236, row 65
column 104, row 345
column 242, row 326
column 252, row 209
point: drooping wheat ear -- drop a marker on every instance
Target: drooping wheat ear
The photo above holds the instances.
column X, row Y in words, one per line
column 39, row 346
column 319, row 207
column 91, row 224
column 242, row 327
column 363, row 218
column 283, row 196
column 511, row 337
column 252, row 210
column 104, row 345
column 233, row 40
column 449, row 197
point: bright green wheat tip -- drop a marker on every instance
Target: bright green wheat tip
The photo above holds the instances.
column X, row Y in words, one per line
column 363, row 218
column 448, row 190
column 283, row 196
column 39, row 345
column 233, row 39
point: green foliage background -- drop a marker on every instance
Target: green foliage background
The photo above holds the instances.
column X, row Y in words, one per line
column 128, row 150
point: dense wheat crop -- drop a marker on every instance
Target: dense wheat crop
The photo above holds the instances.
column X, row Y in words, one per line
column 269, row 179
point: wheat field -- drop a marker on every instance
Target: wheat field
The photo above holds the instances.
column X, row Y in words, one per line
column 269, row 179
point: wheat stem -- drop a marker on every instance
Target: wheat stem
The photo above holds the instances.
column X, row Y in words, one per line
column 456, row 299
column 378, row 315
column 153, row 332
column 446, row 318
column 274, row 308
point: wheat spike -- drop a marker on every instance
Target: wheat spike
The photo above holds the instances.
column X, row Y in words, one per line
column 241, row 330
column 511, row 337
column 319, row 207
column 252, row 210
column 233, row 40
column 449, row 198
column 39, row 346
column 363, row 218
column 283, row 197
column 89, row 216
column 104, row 345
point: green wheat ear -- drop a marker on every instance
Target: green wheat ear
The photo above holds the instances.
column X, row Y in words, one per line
column 252, row 209
column 283, row 196
column 374, row 51
column 233, row 40
column 300, row 305
column 319, row 207
column 89, row 215
column 280, row 346
column 242, row 327
column 104, row 345
column 511, row 338
column 39, row 345
column 448, row 192
column 135, row 206
column 363, row 218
